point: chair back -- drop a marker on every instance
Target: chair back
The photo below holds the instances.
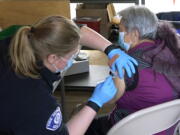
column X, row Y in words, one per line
column 149, row 121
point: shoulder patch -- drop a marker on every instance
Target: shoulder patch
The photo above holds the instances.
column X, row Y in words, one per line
column 54, row 120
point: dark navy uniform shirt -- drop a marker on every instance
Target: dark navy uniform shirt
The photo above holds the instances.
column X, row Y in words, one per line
column 27, row 106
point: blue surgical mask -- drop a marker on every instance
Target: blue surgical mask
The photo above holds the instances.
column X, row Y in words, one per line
column 122, row 43
column 68, row 65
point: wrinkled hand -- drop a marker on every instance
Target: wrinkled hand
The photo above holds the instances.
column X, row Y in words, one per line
column 104, row 92
column 124, row 61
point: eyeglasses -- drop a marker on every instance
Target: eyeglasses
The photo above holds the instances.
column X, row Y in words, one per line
column 72, row 57
column 76, row 54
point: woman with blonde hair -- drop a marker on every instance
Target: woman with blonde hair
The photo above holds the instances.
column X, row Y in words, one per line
column 30, row 62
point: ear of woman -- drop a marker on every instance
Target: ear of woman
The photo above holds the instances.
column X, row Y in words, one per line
column 53, row 59
column 134, row 38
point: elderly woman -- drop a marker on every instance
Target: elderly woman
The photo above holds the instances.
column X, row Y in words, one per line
column 156, row 46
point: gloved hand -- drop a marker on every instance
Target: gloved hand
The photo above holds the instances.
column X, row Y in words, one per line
column 124, row 61
column 104, row 92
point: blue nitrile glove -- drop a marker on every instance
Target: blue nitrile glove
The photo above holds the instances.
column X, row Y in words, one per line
column 124, row 61
column 104, row 92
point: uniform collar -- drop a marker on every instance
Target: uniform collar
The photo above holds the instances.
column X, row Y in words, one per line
column 49, row 76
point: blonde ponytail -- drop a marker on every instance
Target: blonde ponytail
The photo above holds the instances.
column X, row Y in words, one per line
column 52, row 35
column 22, row 55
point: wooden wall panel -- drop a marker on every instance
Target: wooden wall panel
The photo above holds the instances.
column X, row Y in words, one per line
column 29, row 11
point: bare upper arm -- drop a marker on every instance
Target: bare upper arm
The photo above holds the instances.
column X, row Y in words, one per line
column 121, row 86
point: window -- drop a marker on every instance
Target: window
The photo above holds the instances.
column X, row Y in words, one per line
column 163, row 5
column 154, row 5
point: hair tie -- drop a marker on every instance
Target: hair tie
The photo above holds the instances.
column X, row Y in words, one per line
column 32, row 30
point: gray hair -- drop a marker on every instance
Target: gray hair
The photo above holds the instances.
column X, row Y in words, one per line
column 141, row 19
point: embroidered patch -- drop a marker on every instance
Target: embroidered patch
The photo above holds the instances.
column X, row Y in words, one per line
column 55, row 120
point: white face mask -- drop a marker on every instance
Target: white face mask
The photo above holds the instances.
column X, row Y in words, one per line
column 122, row 43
